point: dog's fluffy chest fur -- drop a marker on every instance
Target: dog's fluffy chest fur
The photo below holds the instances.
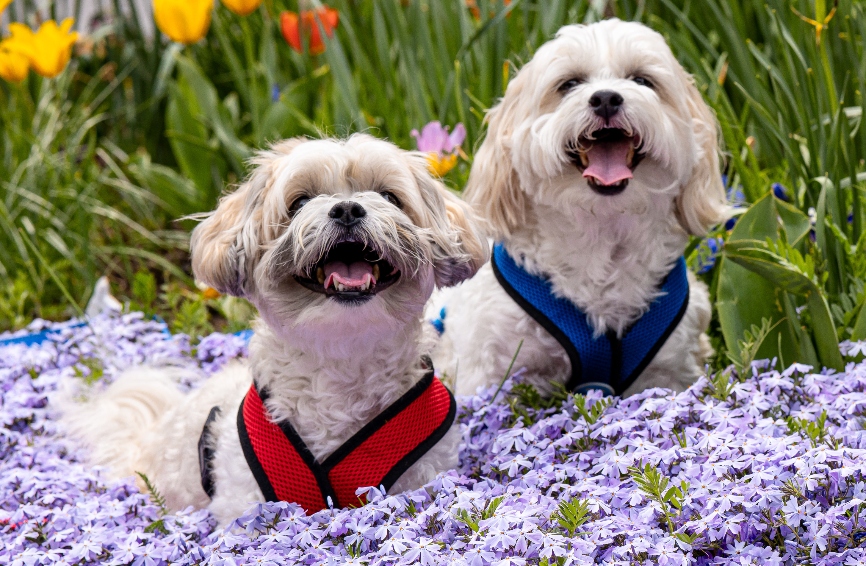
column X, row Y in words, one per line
column 344, row 396
column 611, row 269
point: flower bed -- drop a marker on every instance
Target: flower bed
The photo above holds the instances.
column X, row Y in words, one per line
column 768, row 471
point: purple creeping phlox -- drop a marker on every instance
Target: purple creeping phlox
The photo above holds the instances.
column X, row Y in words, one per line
column 767, row 470
column 441, row 147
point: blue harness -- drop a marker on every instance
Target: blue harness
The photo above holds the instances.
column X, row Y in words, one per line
column 607, row 362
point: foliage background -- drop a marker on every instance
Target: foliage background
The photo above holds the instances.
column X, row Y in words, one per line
column 99, row 166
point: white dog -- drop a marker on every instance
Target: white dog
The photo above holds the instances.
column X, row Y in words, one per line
column 599, row 162
column 339, row 244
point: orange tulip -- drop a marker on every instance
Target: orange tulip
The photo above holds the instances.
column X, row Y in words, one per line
column 307, row 24
column 242, row 7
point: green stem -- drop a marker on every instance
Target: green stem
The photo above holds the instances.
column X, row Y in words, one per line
column 249, row 53
column 507, row 372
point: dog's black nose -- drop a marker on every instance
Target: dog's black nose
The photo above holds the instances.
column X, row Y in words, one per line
column 347, row 213
column 606, row 103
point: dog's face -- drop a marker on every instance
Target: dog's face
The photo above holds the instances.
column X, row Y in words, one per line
column 604, row 119
column 335, row 239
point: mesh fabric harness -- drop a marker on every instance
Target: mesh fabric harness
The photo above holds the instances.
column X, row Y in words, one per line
column 377, row 455
column 608, row 363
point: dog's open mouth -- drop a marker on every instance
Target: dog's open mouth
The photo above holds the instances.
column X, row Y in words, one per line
column 351, row 271
column 607, row 158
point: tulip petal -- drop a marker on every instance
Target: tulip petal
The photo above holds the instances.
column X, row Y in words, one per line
column 291, row 32
column 14, row 65
column 183, row 21
column 242, row 7
column 308, row 23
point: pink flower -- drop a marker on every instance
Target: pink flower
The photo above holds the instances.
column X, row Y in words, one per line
column 440, row 146
column 435, row 138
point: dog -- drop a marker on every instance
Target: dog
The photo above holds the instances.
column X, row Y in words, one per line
column 598, row 163
column 339, row 244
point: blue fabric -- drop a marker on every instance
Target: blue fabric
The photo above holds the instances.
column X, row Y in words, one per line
column 439, row 323
column 245, row 334
column 40, row 337
column 37, row 337
column 607, row 362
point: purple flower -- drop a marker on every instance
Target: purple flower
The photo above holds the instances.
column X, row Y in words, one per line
column 756, row 485
column 434, row 138
column 781, row 192
column 707, row 252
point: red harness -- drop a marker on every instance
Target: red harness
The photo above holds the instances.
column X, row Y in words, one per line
column 377, row 455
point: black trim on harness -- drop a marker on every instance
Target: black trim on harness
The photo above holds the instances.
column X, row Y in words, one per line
column 616, row 346
column 659, row 343
column 547, row 324
column 252, row 460
column 321, row 470
column 378, row 422
column 615, row 356
column 406, row 462
column 306, row 455
column 206, row 452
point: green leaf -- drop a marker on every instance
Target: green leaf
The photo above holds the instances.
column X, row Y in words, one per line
column 787, row 275
column 571, row 514
column 178, row 193
column 144, row 290
column 859, row 331
column 753, row 287
column 797, row 225
column 188, row 138
column 755, row 256
column 211, row 112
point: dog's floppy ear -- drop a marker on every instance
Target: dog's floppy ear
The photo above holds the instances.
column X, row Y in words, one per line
column 494, row 188
column 459, row 245
column 702, row 202
column 225, row 246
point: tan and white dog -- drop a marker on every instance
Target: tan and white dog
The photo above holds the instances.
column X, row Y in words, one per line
column 599, row 162
column 339, row 244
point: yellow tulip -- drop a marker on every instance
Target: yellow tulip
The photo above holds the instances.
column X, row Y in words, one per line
column 183, row 21
column 13, row 64
column 439, row 165
column 4, row 4
column 48, row 49
column 240, row 7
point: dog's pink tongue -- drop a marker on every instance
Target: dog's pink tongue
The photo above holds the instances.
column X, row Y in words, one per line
column 353, row 274
column 608, row 162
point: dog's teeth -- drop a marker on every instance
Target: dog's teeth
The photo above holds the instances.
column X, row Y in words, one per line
column 320, row 275
column 583, row 158
column 630, row 155
column 376, row 271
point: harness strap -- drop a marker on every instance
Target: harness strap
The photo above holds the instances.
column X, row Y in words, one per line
column 608, row 363
column 377, row 455
column 206, row 453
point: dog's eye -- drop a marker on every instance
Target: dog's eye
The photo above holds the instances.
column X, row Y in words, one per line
column 389, row 196
column 643, row 81
column 298, row 204
column 570, row 84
